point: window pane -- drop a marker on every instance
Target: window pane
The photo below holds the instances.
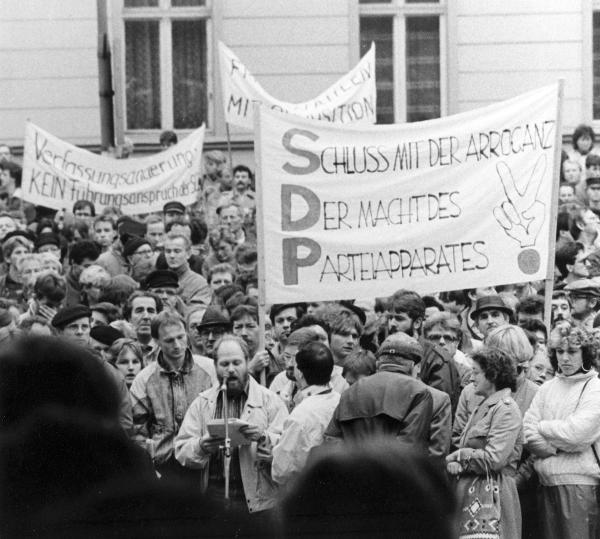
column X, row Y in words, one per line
column 596, row 59
column 142, row 74
column 374, row 1
column 422, row 68
column 185, row 3
column 379, row 29
column 189, row 73
column 422, row 1
column 141, row 3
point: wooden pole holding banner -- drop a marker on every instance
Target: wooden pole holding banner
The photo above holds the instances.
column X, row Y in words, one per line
column 229, row 147
column 549, row 285
column 260, row 236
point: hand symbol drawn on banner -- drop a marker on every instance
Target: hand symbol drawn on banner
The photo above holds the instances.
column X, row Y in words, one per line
column 522, row 215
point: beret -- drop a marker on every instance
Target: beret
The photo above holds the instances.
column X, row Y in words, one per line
column 160, row 278
column 400, row 346
column 105, row 334
column 69, row 314
column 133, row 244
column 174, row 206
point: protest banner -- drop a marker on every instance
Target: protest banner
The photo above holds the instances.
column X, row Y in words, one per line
column 351, row 100
column 56, row 174
column 357, row 212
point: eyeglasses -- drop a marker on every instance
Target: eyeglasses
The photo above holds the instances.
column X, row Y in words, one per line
column 439, row 337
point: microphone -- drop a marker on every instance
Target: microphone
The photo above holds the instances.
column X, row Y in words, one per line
column 224, row 382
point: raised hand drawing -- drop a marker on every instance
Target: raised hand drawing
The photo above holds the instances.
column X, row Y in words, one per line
column 521, row 215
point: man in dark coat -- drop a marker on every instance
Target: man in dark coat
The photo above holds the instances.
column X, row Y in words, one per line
column 389, row 403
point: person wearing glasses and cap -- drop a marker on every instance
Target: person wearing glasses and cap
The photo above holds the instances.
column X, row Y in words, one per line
column 584, row 294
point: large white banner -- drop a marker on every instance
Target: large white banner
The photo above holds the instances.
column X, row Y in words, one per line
column 460, row 202
column 56, row 174
column 351, row 100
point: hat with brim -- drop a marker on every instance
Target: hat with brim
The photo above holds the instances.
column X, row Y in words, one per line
column 213, row 317
column 486, row 303
column 399, row 347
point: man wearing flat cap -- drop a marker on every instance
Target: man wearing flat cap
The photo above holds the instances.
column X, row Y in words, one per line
column 173, row 212
column 140, row 256
column 490, row 312
column 584, row 294
column 74, row 323
column 391, row 403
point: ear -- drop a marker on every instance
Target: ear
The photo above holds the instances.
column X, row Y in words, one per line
column 418, row 322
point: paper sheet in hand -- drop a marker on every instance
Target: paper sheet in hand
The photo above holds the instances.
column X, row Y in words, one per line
column 216, row 427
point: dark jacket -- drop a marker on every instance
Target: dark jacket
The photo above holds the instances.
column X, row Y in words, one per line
column 384, row 404
column 439, row 370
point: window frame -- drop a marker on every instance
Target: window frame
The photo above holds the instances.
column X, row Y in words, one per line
column 163, row 14
column 399, row 10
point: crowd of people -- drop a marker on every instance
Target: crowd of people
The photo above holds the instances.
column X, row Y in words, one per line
column 126, row 340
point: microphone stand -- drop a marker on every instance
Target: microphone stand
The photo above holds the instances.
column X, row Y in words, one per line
column 227, row 442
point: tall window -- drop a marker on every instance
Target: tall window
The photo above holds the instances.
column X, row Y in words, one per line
column 165, row 63
column 408, row 70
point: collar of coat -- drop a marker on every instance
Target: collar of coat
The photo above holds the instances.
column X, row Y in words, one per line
column 188, row 363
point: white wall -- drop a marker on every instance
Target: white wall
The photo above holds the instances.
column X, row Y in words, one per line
column 506, row 47
column 49, row 69
column 295, row 49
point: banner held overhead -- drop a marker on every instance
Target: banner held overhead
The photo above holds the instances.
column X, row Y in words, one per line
column 356, row 212
column 56, row 174
column 351, row 100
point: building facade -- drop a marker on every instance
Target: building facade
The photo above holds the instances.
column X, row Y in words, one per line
column 434, row 58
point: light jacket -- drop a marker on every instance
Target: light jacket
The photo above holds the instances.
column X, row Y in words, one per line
column 560, row 426
column 264, row 409
column 492, row 437
column 160, row 399
column 303, row 430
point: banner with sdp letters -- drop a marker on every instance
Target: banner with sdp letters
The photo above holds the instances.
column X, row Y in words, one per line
column 56, row 174
column 358, row 212
column 351, row 100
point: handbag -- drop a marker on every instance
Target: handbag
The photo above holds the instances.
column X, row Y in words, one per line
column 480, row 509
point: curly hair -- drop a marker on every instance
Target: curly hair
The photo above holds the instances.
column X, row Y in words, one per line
column 571, row 332
column 497, row 366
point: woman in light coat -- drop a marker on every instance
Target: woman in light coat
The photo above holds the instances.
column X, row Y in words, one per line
column 561, row 428
column 490, row 445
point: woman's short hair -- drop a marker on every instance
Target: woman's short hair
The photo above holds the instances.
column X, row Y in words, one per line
column 568, row 334
column 95, row 275
column 497, row 366
column 125, row 344
column 50, row 286
column 513, row 340
column 12, row 243
column 219, row 234
column 580, row 131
